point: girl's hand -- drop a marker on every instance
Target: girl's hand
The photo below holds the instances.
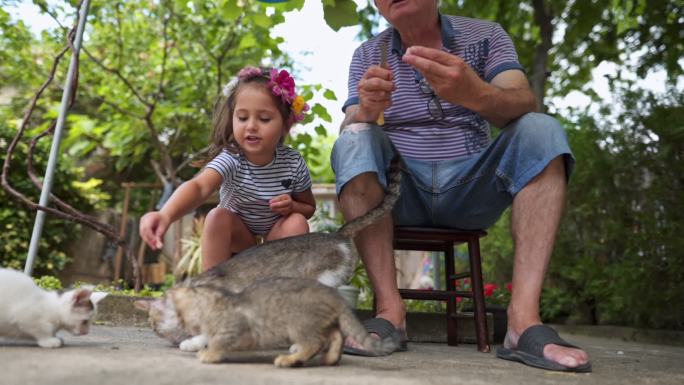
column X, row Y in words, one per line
column 153, row 225
column 282, row 204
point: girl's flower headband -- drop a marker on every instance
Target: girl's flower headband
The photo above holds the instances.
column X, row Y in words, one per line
column 280, row 83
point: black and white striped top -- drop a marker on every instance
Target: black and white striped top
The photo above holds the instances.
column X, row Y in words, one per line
column 484, row 45
column 247, row 188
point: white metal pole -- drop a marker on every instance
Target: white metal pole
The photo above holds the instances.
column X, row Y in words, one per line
column 54, row 150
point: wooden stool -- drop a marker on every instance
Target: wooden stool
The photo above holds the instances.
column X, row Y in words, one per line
column 440, row 239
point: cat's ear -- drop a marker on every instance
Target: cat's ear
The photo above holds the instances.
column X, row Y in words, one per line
column 81, row 297
column 142, row 304
column 97, row 296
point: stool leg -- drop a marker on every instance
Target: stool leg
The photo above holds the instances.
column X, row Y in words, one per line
column 478, row 295
column 449, row 269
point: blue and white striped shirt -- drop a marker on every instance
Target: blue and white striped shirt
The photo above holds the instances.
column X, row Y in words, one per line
column 247, row 188
column 484, row 45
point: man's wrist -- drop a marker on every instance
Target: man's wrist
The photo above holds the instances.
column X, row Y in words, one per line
column 362, row 117
column 485, row 100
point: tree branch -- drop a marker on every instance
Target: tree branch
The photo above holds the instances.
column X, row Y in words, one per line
column 71, row 214
column 543, row 16
column 118, row 74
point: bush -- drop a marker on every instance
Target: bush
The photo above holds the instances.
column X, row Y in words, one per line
column 16, row 219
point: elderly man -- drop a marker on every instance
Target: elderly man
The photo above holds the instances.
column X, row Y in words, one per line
column 446, row 78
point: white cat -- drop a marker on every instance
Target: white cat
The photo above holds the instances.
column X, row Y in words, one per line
column 27, row 311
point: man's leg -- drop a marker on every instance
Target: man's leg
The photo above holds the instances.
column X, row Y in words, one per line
column 374, row 243
column 537, row 210
column 360, row 159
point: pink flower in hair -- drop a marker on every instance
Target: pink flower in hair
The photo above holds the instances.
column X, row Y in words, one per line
column 282, row 84
column 249, row 72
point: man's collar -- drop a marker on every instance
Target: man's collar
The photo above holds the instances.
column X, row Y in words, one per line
column 448, row 32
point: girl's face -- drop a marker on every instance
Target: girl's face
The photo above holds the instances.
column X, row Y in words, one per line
column 257, row 124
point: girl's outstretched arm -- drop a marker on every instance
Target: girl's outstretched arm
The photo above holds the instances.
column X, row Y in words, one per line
column 187, row 197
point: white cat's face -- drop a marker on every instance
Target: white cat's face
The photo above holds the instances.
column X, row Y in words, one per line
column 77, row 311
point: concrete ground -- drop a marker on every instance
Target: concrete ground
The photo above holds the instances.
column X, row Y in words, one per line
column 134, row 355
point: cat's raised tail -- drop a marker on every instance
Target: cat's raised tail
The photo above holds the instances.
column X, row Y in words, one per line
column 351, row 326
column 350, row 228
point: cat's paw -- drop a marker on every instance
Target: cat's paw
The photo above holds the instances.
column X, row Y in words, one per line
column 209, row 356
column 192, row 344
column 287, row 361
column 51, row 342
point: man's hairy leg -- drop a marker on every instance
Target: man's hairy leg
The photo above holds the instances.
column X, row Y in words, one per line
column 536, row 215
column 374, row 243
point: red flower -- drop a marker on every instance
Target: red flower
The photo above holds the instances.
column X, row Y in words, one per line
column 509, row 287
column 489, row 289
column 282, row 85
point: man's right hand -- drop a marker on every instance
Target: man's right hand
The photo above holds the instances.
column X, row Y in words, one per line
column 153, row 225
column 375, row 93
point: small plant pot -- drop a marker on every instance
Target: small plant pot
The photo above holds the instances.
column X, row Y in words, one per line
column 500, row 319
column 350, row 294
column 500, row 316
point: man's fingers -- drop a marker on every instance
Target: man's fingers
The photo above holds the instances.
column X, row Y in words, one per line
column 426, row 66
column 376, row 84
column 431, row 54
column 378, row 72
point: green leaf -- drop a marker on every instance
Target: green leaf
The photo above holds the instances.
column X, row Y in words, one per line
column 330, row 95
column 230, row 10
column 340, row 14
column 322, row 113
column 248, row 41
column 321, row 131
column 260, row 20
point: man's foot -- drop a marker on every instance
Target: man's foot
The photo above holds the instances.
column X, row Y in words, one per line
column 540, row 346
column 380, row 329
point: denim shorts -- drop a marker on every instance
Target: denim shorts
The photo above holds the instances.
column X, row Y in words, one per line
column 464, row 193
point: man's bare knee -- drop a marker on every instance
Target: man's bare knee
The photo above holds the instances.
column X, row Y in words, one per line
column 363, row 187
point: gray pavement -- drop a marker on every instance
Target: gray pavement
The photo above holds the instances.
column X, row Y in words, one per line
column 134, row 355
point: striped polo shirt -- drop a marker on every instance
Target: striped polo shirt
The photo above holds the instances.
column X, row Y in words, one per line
column 247, row 188
column 484, row 45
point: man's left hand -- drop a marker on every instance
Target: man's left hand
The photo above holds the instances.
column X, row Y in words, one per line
column 452, row 79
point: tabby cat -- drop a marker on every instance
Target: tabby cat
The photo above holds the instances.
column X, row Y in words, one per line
column 273, row 313
column 328, row 258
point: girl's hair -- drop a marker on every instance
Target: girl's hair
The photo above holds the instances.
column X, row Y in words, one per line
column 224, row 108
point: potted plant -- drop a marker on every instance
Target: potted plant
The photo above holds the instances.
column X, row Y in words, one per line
column 496, row 302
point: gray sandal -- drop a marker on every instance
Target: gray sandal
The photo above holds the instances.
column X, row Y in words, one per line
column 530, row 350
column 384, row 329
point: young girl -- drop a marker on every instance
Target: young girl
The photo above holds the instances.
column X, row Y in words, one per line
column 265, row 187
